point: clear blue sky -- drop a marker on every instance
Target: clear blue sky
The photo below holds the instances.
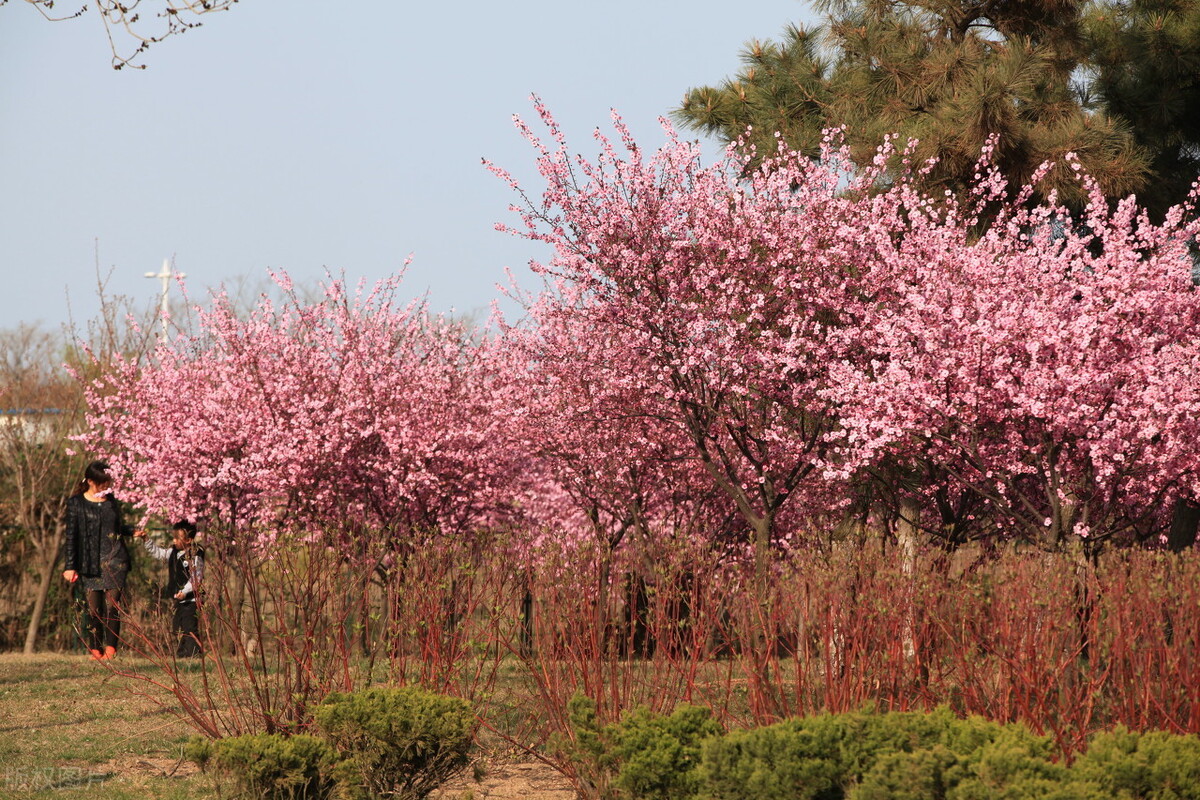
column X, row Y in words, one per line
column 308, row 135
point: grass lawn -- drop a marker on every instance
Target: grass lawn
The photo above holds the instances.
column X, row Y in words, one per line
column 69, row 728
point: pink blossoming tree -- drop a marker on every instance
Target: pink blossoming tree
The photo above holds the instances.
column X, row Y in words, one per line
column 1040, row 380
column 348, row 413
column 708, row 296
column 805, row 331
column 756, row 352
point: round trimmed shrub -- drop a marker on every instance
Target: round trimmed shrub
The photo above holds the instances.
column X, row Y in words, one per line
column 397, row 742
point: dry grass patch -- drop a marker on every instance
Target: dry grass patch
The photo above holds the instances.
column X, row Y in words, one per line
column 72, row 728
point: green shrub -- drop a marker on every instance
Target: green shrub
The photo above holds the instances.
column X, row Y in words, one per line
column 588, row 749
column 398, row 743
column 918, row 775
column 645, row 755
column 658, row 755
column 869, row 756
column 270, row 766
column 1013, row 765
column 1143, row 766
column 792, row 759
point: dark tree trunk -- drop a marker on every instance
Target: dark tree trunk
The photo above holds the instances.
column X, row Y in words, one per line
column 39, row 604
column 527, row 622
column 1184, row 522
column 637, row 641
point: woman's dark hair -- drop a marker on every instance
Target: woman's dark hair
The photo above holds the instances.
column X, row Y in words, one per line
column 96, row 472
column 185, row 526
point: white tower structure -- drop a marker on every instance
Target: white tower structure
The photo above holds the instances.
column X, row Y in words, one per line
column 165, row 275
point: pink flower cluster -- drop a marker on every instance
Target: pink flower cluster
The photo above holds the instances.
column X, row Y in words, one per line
column 718, row 354
column 800, row 340
column 343, row 413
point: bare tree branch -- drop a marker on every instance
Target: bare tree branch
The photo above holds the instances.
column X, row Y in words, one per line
column 131, row 28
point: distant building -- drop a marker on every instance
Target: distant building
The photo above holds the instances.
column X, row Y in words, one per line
column 29, row 423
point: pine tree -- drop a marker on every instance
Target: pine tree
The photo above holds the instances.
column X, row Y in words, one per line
column 1045, row 77
column 1145, row 56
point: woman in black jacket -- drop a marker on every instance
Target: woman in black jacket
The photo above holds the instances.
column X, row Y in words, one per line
column 97, row 556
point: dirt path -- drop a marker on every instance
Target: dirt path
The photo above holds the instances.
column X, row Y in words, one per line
column 526, row 780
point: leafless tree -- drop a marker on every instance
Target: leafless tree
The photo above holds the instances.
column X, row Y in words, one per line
column 40, row 407
column 133, row 26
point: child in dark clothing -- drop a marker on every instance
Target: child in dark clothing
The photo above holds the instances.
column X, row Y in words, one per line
column 185, row 569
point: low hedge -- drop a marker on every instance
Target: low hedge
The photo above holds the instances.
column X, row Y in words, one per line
column 395, row 743
column 869, row 756
column 270, row 766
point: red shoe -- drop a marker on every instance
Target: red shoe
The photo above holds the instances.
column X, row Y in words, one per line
column 96, row 655
column 110, row 652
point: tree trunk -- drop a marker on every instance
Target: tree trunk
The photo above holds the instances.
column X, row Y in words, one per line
column 1184, row 522
column 764, row 635
column 239, row 636
column 907, row 532
column 39, row 605
column 600, row 613
column 761, row 632
column 1085, row 602
column 636, row 641
column 526, row 619
column 761, row 527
